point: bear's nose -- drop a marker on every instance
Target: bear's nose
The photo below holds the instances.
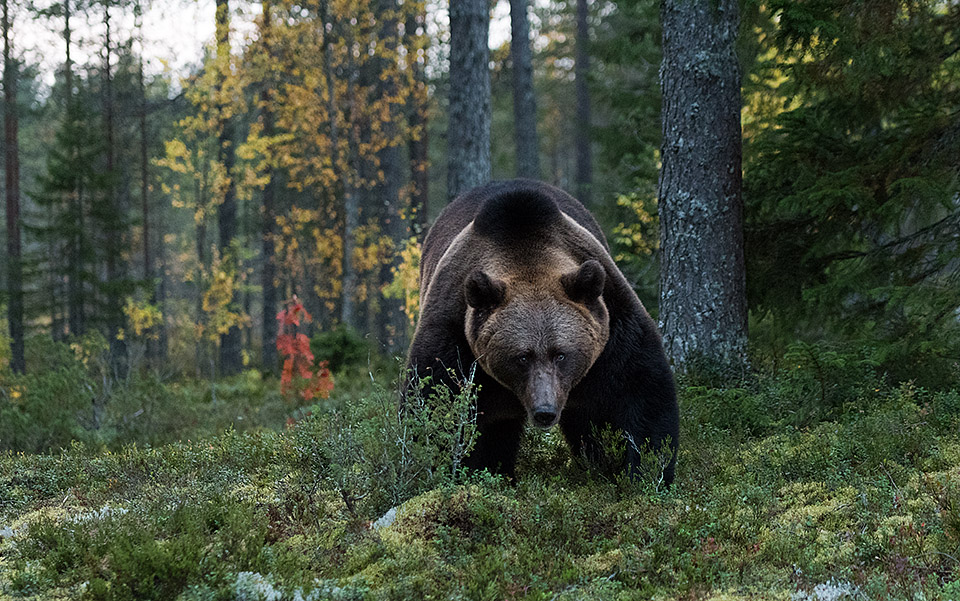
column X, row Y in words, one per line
column 544, row 417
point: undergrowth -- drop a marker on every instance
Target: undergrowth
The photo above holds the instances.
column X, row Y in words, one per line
column 808, row 483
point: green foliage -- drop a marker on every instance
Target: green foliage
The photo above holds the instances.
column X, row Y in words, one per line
column 850, row 179
column 146, row 554
column 50, row 405
column 79, row 225
column 70, row 394
column 341, row 347
column 377, row 453
column 815, row 478
column 627, row 54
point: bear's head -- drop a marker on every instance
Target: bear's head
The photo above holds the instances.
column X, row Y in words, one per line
column 538, row 333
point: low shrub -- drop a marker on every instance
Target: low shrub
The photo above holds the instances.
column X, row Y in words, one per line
column 379, row 451
column 362, row 497
column 341, row 348
column 58, row 400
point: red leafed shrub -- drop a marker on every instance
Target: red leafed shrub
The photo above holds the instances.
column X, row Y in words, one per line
column 299, row 374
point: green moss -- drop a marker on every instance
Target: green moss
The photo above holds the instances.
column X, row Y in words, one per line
column 762, row 508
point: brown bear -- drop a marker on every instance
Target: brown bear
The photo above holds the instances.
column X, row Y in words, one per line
column 516, row 277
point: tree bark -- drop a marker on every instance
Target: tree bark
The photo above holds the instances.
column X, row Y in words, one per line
column 231, row 359
column 76, row 312
column 351, row 210
column 268, row 223
column 153, row 350
column 468, row 134
column 524, row 100
column 584, row 177
column 343, row 169
column 12, row 173
column 703, row 308
column 201, row 245
column 390, row 319
column 419, row 142
column 113, row 243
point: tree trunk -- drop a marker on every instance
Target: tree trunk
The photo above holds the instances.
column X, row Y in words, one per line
column 268, row 223
column 703, row 308
column 584, row 179
column 201, row 242
column 76, row 313
column 68, row 66
column 468, row 133
column 12, row 172
column 162, row 339
column 524, row 100
column 419, row 143
column 231, row 359
column 344, row 171
column 390, row 319
column 113, row 243
column 351, row 212
column 148, row 272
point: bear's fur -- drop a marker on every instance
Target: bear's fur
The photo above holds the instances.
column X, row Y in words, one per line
column 516, row 276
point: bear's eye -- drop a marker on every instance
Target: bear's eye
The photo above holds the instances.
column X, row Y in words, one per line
column 523, row 359
column 560, row 357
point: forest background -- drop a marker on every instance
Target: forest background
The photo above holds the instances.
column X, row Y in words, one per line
column 306, row 153
column 225, row 250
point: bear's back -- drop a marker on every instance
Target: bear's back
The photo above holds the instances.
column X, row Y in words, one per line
column 505, row 211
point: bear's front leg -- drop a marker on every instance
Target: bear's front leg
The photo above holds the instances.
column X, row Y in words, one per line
column 581, row 430
column 652, row 458
column 647, row 454
column 496, row 448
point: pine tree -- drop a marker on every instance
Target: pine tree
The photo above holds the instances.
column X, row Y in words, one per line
column 231, row 358
column 468, row 133
column 268, row 214
column 582, row 139
column 73, row 177
column 112, row 218
column 524, row 100
column 12, row 181
column 703, row 308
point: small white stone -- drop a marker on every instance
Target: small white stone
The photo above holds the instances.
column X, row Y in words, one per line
column 386, row 519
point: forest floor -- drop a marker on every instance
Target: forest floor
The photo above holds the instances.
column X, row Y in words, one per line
column 787, row 488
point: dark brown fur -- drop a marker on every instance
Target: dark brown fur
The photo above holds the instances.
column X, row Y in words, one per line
column 517, row 277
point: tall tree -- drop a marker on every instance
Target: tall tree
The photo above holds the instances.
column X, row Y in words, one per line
column 584, row 179
column 703, row 308
column 415, row 36
column 12, row 171
column 338, row 143
column 343, row 166
column 268, row 214
column 154, row 350
column 112, row 215
column 76, row 247
column 468, row 134
column 524, row 100
column 231, row 359
column 851, row 180
column 351, row 193
column 390, row 319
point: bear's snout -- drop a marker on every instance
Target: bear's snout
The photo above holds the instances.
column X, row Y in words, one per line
column 544, row 416
column 545, row 399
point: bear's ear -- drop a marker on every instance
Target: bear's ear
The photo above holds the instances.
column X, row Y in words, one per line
column 482, row 291
column 585, row 284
